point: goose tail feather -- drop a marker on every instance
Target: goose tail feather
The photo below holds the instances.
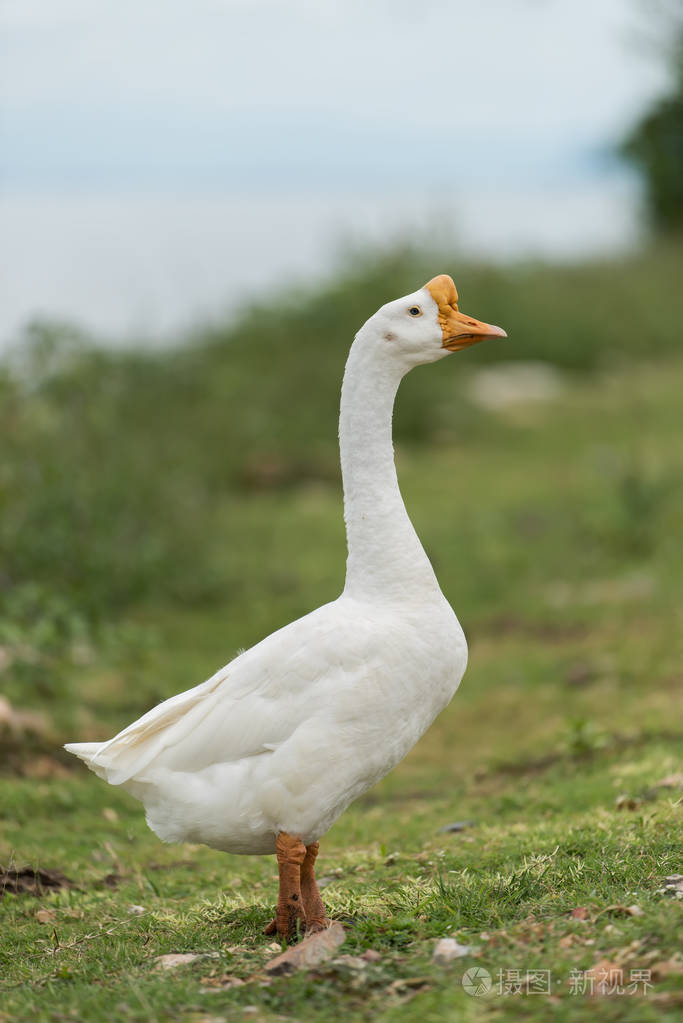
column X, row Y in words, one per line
column 86, row 751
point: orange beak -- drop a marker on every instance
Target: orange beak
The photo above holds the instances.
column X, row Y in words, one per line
column 458, row 330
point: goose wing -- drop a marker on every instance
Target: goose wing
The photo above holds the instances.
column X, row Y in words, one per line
column 247, row 708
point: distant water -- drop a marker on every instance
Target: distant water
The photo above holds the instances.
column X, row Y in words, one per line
column 150, row 266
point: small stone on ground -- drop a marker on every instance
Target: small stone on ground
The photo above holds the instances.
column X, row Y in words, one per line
column 448, row 949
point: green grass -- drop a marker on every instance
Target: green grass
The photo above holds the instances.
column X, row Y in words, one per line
column 554, row 529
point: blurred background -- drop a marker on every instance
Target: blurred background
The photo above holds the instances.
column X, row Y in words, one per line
column 163, row 163
column 200, row 205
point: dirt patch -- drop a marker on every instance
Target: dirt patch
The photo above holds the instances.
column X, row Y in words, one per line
column 109, row 881
column 39, row 882
column 32, row 881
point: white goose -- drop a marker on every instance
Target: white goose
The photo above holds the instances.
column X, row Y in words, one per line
column 265, row 755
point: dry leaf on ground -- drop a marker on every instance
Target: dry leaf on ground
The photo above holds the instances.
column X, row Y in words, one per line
column 672, row 781
column 351, row 962
column 667, row 967
column 618, row 909
column 408, row 986
column 371, row 956
column 308, row 953
column 222, row 983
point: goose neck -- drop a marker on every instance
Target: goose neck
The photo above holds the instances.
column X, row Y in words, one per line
column 386, row 560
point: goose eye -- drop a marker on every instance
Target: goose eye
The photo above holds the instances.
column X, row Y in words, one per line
column 415, row 310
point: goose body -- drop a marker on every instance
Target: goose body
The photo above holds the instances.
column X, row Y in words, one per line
column 283, row 738
column 290, row 732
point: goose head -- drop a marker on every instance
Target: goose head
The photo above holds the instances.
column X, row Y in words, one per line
column 428, row 325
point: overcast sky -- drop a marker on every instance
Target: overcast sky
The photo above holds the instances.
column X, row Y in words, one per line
column 315, row 94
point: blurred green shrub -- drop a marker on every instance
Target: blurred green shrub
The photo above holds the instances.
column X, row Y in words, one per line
column 655, row 145
column 115, row 463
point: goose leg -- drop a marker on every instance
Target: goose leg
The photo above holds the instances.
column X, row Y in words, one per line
column 291, row 853
column 316, row 917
